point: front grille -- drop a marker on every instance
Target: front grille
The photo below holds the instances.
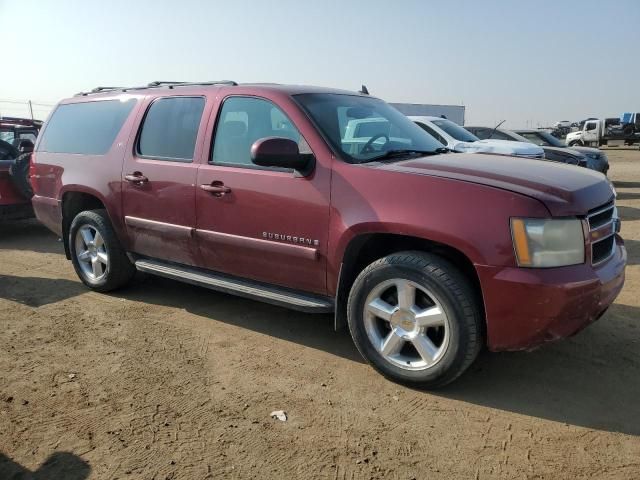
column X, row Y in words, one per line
column 601, row 215
column 602, row 250
column 603, row 224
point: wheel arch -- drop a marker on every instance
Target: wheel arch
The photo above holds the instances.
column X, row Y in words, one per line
column 365, row 248
column 72, row 203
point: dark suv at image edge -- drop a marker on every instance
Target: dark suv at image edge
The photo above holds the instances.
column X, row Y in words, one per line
column 258, row 191
column 17, row 139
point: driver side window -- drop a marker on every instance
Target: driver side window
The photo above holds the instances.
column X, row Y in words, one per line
column 242, row 121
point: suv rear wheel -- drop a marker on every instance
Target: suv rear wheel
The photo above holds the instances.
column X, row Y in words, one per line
column 414, row 318
column 97, row 256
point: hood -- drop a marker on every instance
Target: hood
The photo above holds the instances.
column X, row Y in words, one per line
column 564, row 189
column 501, row 147
column 564, row 155
column 572, row 135
column 591, row 152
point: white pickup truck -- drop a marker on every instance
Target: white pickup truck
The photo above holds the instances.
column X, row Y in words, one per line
column 456, row 138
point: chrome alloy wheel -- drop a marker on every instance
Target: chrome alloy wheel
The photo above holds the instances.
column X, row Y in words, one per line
column 406, row 324
column 91, row 253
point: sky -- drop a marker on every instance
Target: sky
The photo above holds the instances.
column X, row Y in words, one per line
column 530, row 63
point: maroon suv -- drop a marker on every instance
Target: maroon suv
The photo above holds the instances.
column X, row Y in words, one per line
column 265, row 191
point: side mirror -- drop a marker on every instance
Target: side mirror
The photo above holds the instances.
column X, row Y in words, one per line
column 279, row 152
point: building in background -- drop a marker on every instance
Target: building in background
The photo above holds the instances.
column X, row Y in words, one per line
column 455, row 113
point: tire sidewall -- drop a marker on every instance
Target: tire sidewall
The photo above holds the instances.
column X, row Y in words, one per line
column 458, row 331
column 81, row 220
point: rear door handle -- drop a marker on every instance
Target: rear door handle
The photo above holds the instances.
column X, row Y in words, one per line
column 218, row 189
column 136, row 178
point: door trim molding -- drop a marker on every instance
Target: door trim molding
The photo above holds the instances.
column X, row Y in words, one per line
column 170, row 229
column 298, row 251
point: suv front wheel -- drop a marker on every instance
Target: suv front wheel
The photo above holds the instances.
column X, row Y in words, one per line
column 413, row 316
column 97, row 256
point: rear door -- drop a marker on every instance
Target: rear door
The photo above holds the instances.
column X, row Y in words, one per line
column 266, row 224
column 158, row 179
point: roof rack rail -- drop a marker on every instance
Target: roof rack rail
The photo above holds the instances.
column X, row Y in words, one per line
column 186, row 84
column 158, row 84
column 98, row 90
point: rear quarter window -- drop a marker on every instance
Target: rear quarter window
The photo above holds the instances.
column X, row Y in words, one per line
column 88, row 128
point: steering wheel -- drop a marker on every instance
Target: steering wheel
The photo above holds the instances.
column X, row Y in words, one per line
column 367, row 146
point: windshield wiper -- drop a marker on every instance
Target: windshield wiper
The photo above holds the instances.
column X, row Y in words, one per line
column 404, row 153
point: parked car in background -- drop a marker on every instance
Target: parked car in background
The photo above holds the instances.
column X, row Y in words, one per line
column 561, row 128
column 456, row 138
column 255, row 190
column 17, row 138
column 553, row 154
column 562, row 124
column 13, row 130
column 596, row 159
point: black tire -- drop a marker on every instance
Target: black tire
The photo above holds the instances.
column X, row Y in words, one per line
column 119, row 270
column 19, row 173
column 456, row 297
column 574, row 144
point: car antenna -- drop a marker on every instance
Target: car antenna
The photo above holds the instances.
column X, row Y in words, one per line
column 364, row 90
column 494, row 130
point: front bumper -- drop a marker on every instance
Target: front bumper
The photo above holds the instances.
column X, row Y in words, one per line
column 599, row 164
column 527, row 307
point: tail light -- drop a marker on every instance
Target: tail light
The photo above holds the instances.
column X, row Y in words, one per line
column 32, row 170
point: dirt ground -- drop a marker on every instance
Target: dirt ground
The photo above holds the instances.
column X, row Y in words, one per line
column 170, row 381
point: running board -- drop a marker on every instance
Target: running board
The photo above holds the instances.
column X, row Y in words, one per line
column 244, row 288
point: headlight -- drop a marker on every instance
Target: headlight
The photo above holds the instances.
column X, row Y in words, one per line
column 546, row 243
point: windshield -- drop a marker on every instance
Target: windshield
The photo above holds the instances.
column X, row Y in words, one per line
column 364, row 128
column 544, row 139
column 455, row 130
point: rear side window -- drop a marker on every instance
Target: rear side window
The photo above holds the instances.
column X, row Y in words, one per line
column 170, row 128
column 85, row 128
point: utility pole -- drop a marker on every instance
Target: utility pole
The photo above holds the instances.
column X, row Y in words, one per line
column 31, row 109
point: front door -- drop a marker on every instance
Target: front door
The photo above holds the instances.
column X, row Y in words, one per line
column 590, row 131
column 266, row 224
column 158, row 180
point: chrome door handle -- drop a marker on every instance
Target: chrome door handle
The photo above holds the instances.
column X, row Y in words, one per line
column 217, row 189
column 136, row 178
